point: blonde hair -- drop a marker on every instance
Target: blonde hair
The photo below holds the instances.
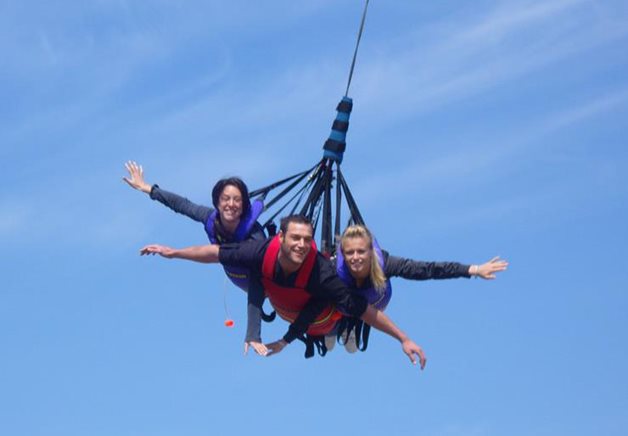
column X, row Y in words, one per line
column 378, row 279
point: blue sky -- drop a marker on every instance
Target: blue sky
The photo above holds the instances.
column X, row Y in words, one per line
column 479, row 129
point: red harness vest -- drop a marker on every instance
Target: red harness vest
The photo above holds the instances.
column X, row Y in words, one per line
column 289, row 301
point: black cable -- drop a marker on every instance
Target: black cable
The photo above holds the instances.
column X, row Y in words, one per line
column 272, row 186
column 353, row 207
column 301, row 191
column 326, row 242
column 279, row 196
column 338, row 208
column 357, row 44
column 315, row 195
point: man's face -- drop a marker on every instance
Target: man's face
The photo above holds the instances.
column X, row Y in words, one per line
column 296, row 243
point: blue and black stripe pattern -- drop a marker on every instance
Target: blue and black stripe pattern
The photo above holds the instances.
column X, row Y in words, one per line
column 336, row 144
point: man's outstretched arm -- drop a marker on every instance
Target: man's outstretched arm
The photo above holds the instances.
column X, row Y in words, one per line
column 197, row 253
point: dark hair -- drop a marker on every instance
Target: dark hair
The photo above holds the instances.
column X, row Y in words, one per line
column 296, row 219
column 236, row 182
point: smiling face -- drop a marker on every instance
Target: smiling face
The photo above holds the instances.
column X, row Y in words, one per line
column 230, row 205
column 357, row 253
column 296, row 244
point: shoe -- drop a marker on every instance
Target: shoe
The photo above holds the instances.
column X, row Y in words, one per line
column 330, row 342
column 350, row 343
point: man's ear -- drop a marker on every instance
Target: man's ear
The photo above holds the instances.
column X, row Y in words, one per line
column 281, row 236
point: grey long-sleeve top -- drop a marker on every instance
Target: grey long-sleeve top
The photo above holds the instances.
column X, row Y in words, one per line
column 181, row 204
column 201, row 214
column 419, row 270
column 195, row 211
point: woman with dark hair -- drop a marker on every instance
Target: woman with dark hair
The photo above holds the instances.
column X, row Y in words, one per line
column 367, row 269
column 233, row 219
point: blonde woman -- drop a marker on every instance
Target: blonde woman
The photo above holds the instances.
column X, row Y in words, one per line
column 367, row 269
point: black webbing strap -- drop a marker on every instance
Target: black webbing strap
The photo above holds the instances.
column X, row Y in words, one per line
column 300, row 193
column 289, row 188
column 268, row 317
column 362, row 332
column 298, row 202
column 272, row 186
column 344, row 328
column 315, row 194
column 353, row 207
column 338, row 208
column 271, row 228
column 312, row 342
column 315, row 174
column 318, row 208
column 326, row 236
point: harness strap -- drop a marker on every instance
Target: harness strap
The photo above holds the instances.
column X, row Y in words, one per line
column 268, row 317
column 362, row 332
column 356, row 217
column 311, row 342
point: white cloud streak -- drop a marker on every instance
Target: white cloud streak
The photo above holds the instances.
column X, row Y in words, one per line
column 463, row 57
column 14, row 218
column 454, row 60
column 486, row 163
column 586, row 110
column 501, row 46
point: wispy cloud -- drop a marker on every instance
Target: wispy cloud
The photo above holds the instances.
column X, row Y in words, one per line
column 588, row 109
column 86, row 213
column 489, row 162
column 104, row 74
column 477, row 54
column 48, row 49
column 462, row 57
column 470, row 429
column 184, row 132
column 515, row 208
column 14, row 218
column 511, row 17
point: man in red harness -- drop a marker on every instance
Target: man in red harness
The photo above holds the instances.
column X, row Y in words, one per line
column 300, row 283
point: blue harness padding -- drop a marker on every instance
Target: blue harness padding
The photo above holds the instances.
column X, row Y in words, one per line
column 379, row 299
column 239, row 276
column 337, row 142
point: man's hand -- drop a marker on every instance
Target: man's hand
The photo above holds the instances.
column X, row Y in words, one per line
column 136, row 181
column 162, row 250
column 198, row 253
column 257, row 346
column 276, row 347
column 487, row 270
column 411, row 349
